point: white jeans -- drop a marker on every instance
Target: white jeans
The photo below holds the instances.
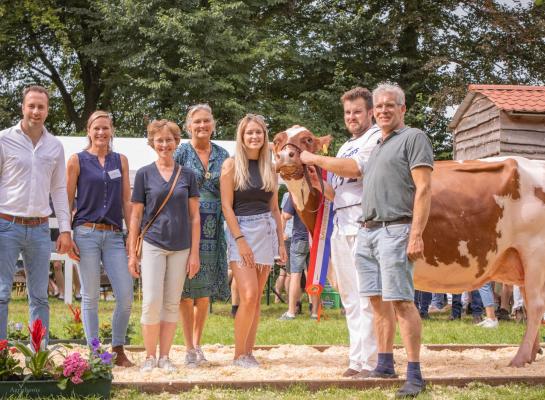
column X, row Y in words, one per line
column 359, row 313
column 163, row 274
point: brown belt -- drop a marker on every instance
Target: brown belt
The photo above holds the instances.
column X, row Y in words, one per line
column 379, row 224
column 24, row 220
column 102, row 227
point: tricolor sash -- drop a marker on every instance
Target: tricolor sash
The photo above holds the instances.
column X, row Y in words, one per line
column 320, row 250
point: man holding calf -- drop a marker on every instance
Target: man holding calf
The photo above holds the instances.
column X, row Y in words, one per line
column 395, row 208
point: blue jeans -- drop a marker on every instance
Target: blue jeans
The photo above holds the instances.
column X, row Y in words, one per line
column 476, row 305
column 107, row 247
column 487, row 295
column 438, row 300
column 34, row 243
column 422, row 302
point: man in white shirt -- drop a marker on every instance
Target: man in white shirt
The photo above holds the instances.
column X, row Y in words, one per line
column 32, row 168
column 358, row 119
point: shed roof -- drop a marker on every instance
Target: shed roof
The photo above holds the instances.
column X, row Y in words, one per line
column 510, row 98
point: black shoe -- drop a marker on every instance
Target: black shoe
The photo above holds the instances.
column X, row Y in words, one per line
column 453, row 318
column 411, row 389
column 424, row 316
column 503, row 315
column 234, row 309
column 477, row 319
column 384, row 375
column 298, row 308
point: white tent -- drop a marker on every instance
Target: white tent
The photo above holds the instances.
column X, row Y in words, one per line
column 136, row 150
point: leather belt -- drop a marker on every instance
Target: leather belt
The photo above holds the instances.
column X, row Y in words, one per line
column 102, row 227
column 24, row 220
column 379, row 224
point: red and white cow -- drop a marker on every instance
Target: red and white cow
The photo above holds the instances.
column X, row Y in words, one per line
column 487, row 223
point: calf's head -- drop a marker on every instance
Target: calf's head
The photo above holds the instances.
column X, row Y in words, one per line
column 287, row 146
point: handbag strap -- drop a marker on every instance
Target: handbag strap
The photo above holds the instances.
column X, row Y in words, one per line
column 151, row 221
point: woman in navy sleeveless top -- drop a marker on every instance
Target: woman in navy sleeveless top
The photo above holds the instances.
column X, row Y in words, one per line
column 101, row 178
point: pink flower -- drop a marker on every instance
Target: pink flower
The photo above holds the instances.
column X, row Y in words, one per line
column 74, row 366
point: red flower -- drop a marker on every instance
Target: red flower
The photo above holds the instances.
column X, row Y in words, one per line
column 37, row 333
column 3, row 344
column 13, row 350
column 76, row 312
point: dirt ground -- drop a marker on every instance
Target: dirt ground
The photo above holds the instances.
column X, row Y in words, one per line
column 291, row 362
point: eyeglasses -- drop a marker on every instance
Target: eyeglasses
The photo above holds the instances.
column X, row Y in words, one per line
column 386, row 106
column 163, row 141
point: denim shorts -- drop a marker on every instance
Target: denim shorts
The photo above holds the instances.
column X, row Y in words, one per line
column 260, row 233
column 382, row 263
column 299, row 256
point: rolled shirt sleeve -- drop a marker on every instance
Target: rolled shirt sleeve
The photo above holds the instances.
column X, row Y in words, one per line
column 59, row 194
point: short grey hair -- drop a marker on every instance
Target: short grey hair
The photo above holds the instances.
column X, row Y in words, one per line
column 389, row 87
column 192, row 110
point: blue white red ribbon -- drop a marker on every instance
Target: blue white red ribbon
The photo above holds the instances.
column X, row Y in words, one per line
column 320, row 250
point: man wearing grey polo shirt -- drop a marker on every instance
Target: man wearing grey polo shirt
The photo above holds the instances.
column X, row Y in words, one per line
column 395, row 208
column 31, row 169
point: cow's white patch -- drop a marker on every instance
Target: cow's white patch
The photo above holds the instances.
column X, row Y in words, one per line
column 462, row 248
column 294, row 130
column 299, row 192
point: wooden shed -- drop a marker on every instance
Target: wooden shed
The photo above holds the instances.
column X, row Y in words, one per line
column 500, row 120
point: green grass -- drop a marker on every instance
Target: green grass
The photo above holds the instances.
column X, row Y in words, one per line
column 330, row 330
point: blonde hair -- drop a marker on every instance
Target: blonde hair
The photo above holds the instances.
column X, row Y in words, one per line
column 192, row 110
column 242, row 173
column 163, row 124
column 92, row 118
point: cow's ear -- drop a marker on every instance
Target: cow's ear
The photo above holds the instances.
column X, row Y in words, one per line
column 324, row 142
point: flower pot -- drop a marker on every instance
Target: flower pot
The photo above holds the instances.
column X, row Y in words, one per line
column 35, row 389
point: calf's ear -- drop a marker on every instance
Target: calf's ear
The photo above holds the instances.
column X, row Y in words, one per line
column 323, row 143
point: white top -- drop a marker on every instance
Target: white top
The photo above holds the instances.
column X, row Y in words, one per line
column 28, row 175
column 348, row 191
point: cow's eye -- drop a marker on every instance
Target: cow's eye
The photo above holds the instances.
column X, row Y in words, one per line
column 309, row 140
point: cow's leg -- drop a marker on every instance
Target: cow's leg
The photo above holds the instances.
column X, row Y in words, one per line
column 533, row 294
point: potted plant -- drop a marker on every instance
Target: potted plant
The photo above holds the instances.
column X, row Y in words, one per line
column 77, row 376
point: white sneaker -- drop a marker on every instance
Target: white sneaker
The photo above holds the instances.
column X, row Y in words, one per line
column 148, row 364
column 201, row 359
column 191, row 359
column 488, row 323
column 244, row 362
column 165, row 363
column 251, row 359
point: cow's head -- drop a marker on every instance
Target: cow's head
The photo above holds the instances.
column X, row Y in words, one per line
column 287, row 146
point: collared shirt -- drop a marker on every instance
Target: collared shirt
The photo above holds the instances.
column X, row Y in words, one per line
column 348, row 191
column 29, row 175
column 389, row 186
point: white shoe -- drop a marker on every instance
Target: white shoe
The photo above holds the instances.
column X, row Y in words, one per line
column 201, row 359
column 251, row 359
column 165, row 363
column 191, row 359
column 148, row 364
column 488, row 323
column 244, row 362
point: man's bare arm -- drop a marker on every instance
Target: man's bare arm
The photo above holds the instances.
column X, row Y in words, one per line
column 421, row 211
column 346, row 167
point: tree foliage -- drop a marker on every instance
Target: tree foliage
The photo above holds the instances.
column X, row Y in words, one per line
column 289, row 60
